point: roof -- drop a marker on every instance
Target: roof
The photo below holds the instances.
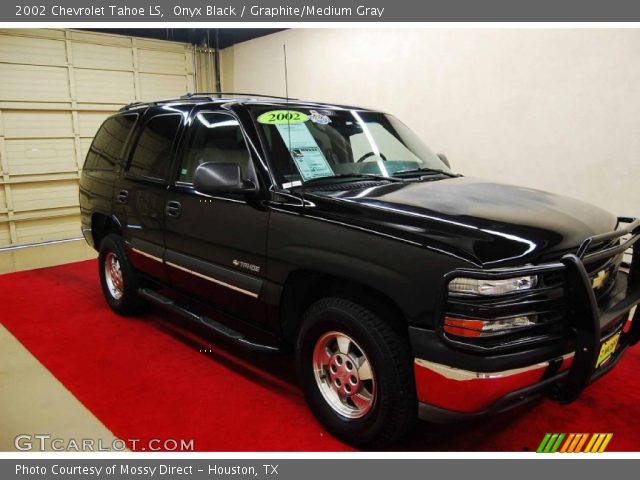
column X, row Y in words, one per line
column 238, row 98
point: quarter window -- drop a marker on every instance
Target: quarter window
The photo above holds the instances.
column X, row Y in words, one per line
column 107, row 147
column 152, row 153
column 215, row 137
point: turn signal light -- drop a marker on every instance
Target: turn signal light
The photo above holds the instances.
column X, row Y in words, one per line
column 463, row 327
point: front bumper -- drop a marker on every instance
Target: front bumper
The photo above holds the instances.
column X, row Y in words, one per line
column 453, row 383
column 449, row 393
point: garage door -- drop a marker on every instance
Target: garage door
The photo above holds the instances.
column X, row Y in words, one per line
column 56, row 87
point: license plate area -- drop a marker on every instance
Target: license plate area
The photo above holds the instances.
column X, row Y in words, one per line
column 608, row 347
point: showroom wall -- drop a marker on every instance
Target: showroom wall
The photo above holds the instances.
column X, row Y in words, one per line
column 546, row 108
column 56, row 88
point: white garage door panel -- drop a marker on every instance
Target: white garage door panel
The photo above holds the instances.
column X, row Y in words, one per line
column 37, row 196
column 40, row 156
column 34, row 51
column 104, row 86
column 154, row 87
column 85, row 143
column 35, row 32
column 37, row 123
column 161, row 62
column 33, row 231
column 89, row 122
column 56, row 88
column 102, row 57
column 5, row 235
column 28, row 82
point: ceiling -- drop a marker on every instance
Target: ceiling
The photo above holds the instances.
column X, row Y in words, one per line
column 197, row 36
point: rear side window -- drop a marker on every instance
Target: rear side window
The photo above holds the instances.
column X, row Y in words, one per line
column 107, row 147
column 152, row 152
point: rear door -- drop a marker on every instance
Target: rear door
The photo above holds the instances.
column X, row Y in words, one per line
column 102, row 167
column 216, row 245
column 140, row 197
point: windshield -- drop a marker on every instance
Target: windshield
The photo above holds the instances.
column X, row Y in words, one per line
column 308, row 144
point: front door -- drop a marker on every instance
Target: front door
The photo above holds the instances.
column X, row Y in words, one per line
column 216, row 246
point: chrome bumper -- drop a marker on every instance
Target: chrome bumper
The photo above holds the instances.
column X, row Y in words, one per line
column 446, row 388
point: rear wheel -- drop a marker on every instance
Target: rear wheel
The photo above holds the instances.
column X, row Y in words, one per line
column 119, row 280
column 356, row 373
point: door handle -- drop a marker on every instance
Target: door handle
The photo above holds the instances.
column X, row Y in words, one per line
column 173, row 208
column 123, row 196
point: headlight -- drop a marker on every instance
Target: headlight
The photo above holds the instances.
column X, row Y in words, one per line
column 475, row 286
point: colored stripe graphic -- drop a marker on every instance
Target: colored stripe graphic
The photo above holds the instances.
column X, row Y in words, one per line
column 582, row 442
column 550, row 443
column 574, row 443
column 543, row 443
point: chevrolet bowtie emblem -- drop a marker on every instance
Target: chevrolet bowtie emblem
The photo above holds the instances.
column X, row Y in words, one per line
column 599, row 279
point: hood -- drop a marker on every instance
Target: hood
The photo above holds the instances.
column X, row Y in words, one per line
column 480, row 221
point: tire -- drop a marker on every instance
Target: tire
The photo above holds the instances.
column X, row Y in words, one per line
column 369, row 412
column 118, row 278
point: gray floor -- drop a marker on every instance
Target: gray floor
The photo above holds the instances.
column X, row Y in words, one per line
column 34, row 402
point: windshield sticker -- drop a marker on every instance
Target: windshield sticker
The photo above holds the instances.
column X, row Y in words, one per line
column 295, row 183
column 317, row 117
column 282, row 117
column 306, row 155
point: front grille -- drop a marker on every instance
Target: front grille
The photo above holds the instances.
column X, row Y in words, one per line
column 603, row 273
column 610, row 266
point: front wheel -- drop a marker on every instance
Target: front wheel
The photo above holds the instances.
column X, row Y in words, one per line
column 356, row 372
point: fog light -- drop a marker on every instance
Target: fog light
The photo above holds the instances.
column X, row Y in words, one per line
column 463, row 327
column 476, row 286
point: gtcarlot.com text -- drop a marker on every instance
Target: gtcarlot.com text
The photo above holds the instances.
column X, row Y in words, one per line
column 46, row 442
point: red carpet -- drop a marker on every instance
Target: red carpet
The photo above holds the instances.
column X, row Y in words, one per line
column 145, row 378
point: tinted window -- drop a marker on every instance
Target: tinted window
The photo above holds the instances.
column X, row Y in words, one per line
column 308, row 143
column 107, row 147
column 152, row 153
column 215, row 137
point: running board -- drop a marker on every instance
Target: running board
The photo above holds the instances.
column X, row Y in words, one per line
column 230, row 334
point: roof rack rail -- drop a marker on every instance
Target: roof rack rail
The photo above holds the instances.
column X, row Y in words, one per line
column 195, row 95
column 131, row 105
column 221, row 94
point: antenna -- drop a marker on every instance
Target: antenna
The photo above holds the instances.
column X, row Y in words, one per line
column 286, row 76
column 286, row 90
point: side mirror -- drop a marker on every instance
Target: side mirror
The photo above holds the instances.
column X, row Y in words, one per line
column 215, row 178
column 444, row 159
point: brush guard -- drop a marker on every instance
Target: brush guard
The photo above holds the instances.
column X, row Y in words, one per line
column 588, row 320
column 584, row 316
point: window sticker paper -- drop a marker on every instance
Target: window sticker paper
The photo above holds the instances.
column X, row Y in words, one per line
column 305, row 152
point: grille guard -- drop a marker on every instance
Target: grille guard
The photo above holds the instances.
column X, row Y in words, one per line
column 583, row 314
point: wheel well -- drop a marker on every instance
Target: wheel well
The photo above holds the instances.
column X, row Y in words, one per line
column 304, row 287
column 101, row 226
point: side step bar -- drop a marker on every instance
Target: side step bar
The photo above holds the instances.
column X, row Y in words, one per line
column 230, row 334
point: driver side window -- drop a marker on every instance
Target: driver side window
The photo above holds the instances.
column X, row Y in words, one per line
column 214, row 137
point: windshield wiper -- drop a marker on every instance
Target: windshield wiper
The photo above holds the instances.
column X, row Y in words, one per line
column 428, row 171
column 354, row 176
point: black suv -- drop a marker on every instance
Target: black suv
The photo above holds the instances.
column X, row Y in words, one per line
column 404, row 288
